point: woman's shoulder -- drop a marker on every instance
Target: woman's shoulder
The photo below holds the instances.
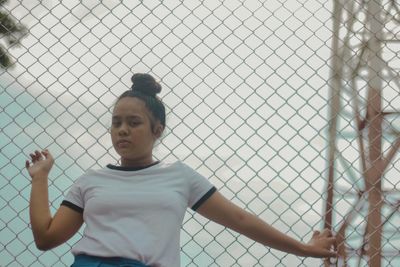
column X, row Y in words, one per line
column 88, row 174
column 175, row 164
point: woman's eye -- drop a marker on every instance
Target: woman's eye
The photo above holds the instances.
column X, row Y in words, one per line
column 116, row 123
column 133, row 123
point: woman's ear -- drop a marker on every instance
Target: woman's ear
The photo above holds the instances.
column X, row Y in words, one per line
column 158, row 130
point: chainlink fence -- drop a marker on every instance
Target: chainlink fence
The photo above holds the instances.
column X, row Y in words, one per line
column 246, row 85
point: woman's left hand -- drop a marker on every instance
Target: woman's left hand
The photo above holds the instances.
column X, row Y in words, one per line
column 321, row 245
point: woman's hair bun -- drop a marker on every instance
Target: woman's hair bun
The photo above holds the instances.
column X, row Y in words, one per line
column 145, row 83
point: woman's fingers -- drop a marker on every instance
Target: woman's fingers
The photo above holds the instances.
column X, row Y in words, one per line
column 37, row 156
column 46, row 153
column 316, row 233
column 33, row 157
column 325, row 242
column 326, row 232
column 332, row 253
column 330, row 242
column 41, row 163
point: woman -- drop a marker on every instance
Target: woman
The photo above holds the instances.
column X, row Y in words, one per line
column 133, row 212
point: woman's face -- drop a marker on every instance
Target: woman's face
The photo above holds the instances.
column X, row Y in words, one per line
column 132, row 134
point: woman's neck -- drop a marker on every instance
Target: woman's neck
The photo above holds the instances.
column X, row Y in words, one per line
column 137, row 163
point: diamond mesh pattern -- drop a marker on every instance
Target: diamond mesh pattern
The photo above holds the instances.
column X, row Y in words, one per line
column 246, row 85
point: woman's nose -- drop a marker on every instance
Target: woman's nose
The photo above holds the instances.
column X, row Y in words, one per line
column 123, row 130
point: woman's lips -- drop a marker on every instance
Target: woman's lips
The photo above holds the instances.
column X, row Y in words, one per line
column 123, row 143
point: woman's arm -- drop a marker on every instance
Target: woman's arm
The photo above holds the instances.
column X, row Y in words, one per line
column 48, row 231
column 220, row 210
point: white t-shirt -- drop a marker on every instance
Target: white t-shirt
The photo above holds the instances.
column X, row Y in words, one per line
column 136, row 213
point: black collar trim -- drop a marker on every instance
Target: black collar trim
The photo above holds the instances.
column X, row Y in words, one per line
column 121, row 168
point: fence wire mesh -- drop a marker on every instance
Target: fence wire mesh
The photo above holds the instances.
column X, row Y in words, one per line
column 246, row 85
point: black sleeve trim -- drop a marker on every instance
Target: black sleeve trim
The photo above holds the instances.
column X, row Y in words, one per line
column 204, row 198
column 72, row 206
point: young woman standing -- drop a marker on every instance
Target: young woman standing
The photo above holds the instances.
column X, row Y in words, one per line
column 133, row 212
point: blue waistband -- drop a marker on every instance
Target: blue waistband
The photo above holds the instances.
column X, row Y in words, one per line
column 94, row 261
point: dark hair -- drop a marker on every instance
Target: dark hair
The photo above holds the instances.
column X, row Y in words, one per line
column 146, row 88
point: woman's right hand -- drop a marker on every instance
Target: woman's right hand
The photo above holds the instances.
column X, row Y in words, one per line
column 40, row 164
